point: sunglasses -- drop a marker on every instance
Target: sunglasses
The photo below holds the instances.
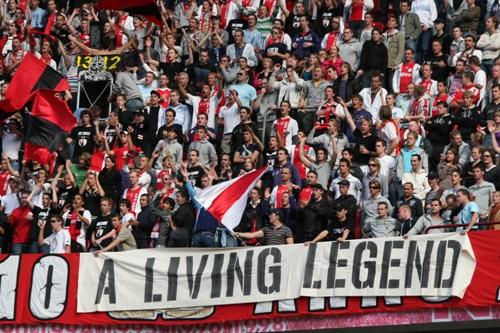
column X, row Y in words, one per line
column 374, row 188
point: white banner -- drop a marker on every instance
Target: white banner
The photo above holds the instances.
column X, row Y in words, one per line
column 430, row 265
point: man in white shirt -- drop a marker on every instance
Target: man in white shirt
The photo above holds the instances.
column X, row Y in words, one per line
column 60, row 240
column 229, row 117
column 480, row 79
column 374, row 97
column 285, row 127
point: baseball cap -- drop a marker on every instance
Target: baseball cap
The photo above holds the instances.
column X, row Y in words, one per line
column 277, row 212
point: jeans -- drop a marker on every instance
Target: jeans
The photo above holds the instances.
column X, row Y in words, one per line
column 423, row 44
column 356, row 27
column 411, row 44
column 487, row 66
column 223, row 238
column 18, row 248
column 204, row 239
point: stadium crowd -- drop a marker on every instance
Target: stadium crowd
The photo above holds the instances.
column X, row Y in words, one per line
column 376, row 118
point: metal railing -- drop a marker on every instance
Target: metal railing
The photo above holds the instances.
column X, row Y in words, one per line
column 449, row 226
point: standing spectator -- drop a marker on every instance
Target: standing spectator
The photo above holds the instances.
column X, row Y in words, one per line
column 410, row 25
column 356, row 12
column 429, row 220
column 183, row 216
column 285, row 127
column 468, row 19
column 306, row 42
column 60, row 240
column 374, row 97
column 489, row 43
column 395, row 42
column 373, row 58
column 427, row 13
column 143, row 224
column 276, row 234
column 482, row 193
column 206, row 151
column 241, row 49
column 350, row 48
column 123, row 241
column 469, row 214
column 417, row 177
column 407, row 72
column 20, row 220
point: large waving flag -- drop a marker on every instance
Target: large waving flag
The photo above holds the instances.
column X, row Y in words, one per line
column 146, row 8
column 31, row 75
column 51, row 121
column 226, row 201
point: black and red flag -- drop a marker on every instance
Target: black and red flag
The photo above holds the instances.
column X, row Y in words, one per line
column 146, row 8
column 31, row 75
column 51, row 122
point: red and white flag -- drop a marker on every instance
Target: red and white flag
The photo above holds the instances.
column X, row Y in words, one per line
column 226, row 201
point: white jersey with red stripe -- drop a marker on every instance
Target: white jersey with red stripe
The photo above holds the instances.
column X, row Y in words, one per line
column 293, row 151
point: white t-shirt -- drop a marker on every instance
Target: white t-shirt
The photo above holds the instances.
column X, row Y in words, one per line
column 231, row 116
column 388, row 133
column 127, row 218
column 10, row 202
column 387, row 165
column 480, row 78
column 58, row 241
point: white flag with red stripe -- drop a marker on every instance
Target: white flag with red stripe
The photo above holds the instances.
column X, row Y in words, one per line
column 226, row 201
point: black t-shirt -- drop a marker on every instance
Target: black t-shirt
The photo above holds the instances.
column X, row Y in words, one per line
column 277, row 47
column 292, row 25
column 140, row 134
column 368, row 142
column 40, row 215
column 84, row 139
column 195, row 173
column 438, row 73
column 102, row 226
column 336, row 228
column 65, row 196
column 323, row 24
column 111, row 136
column 92, row 201
column 125, row 117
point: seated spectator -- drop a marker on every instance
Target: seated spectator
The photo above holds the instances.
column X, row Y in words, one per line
column 428, row 220
column 340, row 228
column 381, row 226
column 408, row 198
column 124, row 241
column 370, row 205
